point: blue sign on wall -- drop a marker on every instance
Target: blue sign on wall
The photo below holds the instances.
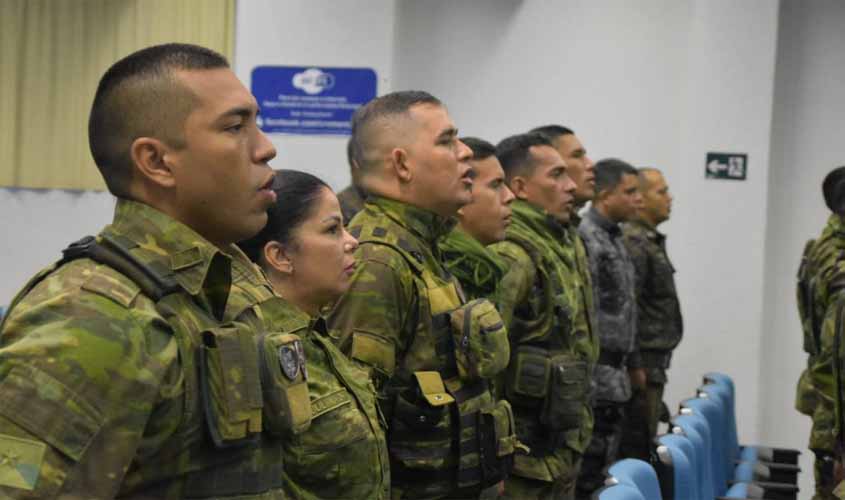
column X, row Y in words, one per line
column 310, row 100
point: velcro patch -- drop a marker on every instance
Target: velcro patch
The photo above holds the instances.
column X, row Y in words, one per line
column 329, row 402
column 20, row 462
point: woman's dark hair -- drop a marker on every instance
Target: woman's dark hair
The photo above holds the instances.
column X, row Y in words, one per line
column 296, row 197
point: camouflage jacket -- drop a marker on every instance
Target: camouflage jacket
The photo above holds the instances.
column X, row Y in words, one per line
column 821, row 280
column 351, row 202
column 478, row 269
column 343, row 453
column 616, row 306
column 101, row 385
column 551, row 305
column 394, row 322
column 659, row 323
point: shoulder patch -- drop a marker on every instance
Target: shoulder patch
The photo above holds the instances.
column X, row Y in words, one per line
column 20, row 462
column 112, row 285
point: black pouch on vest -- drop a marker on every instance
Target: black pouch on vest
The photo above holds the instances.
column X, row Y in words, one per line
column 230, row 385
column 284, row 373
column 420, row 428
column 528, row 376
column 497, row 442
column 568, row 393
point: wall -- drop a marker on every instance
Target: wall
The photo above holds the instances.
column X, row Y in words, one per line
column 356, row 33
column 653, row 82
column 807, row 143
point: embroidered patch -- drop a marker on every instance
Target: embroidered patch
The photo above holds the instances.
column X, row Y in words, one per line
column 20, row 462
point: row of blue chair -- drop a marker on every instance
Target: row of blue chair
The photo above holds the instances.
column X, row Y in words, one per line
column 700, row 457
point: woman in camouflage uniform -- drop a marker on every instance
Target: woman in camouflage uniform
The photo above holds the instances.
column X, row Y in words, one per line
column 334, row 446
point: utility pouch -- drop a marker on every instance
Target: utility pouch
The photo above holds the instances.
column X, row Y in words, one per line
column 230, row 385
column 497, row 442
column 528, row 376
column 568, row 393
column 420, row 428
column 284, row 375
column 481, row 340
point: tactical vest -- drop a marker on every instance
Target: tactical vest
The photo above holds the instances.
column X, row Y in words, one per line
column 225, row 373
column 546, row 376
column 428, row 409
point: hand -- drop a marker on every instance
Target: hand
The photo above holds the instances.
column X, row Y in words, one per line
column 638, row 378
column 838, row 471
column 500, row 488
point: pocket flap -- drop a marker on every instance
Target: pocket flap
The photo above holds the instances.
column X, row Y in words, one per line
column 432, row 388
column 374, row 351
column 49, row 410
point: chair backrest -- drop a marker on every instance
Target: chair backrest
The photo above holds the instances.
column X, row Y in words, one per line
column 679, row 483
column 689, row 425
column 639, row 474
column 728, row 383
column 620, row 491
column 722, row 467
column 720, row 394
column 699, row 423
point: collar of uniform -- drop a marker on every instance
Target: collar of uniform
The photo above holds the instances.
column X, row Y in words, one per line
column 426, row 225
column 835, row 223
column 538, row 219
column 603, row 222
column 189, row 255
column 651, row 232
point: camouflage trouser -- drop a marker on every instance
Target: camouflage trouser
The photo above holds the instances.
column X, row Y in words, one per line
column 562, row 488
column 823, row 473
column 604, row 447
column 643, row 415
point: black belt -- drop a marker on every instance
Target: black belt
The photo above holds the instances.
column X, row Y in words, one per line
column 614, row 359
column 656, row 359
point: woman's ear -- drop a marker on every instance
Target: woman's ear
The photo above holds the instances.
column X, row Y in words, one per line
column 278, row 258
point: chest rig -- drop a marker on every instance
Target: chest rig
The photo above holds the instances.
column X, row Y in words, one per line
column 446, row 432
column 217, row 404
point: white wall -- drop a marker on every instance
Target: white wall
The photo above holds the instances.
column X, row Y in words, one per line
column 654, row 82
column 809, row 119
column 355, row 33
column 36, row 225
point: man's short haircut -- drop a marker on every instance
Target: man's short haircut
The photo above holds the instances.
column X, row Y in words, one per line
column 833, row 189
column 368, row 118
column 481, row 149
column 139, row 96
column 515, row 156
column 609, row 173
column 642, row 174
column 553, row 132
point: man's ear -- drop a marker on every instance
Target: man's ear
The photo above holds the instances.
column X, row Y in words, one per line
column 150, row 157
column 518, row 185
column 277, row 257
column 400, row 164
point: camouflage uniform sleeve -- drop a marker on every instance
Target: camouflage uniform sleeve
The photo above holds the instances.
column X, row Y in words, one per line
column 517, row 283
column 639, row 257
column 823, row 379
column 81, row 372
column 371, row 320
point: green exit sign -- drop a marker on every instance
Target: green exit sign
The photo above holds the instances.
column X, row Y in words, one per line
column 733, row 166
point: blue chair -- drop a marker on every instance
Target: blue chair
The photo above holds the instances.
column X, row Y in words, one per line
column 711, row 413
column 744, row 452
column 639, row 474
column 619, row 491
column 696, row 430
column 674, row 470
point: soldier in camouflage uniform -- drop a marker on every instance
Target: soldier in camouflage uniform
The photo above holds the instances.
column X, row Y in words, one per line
column 404, row 318
column 337, row 448
column 617, row 199
column 352, row 197
column 480, row 223
column 659, row 322
column 553, row 344
column 821, row 278
column 128, row 369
